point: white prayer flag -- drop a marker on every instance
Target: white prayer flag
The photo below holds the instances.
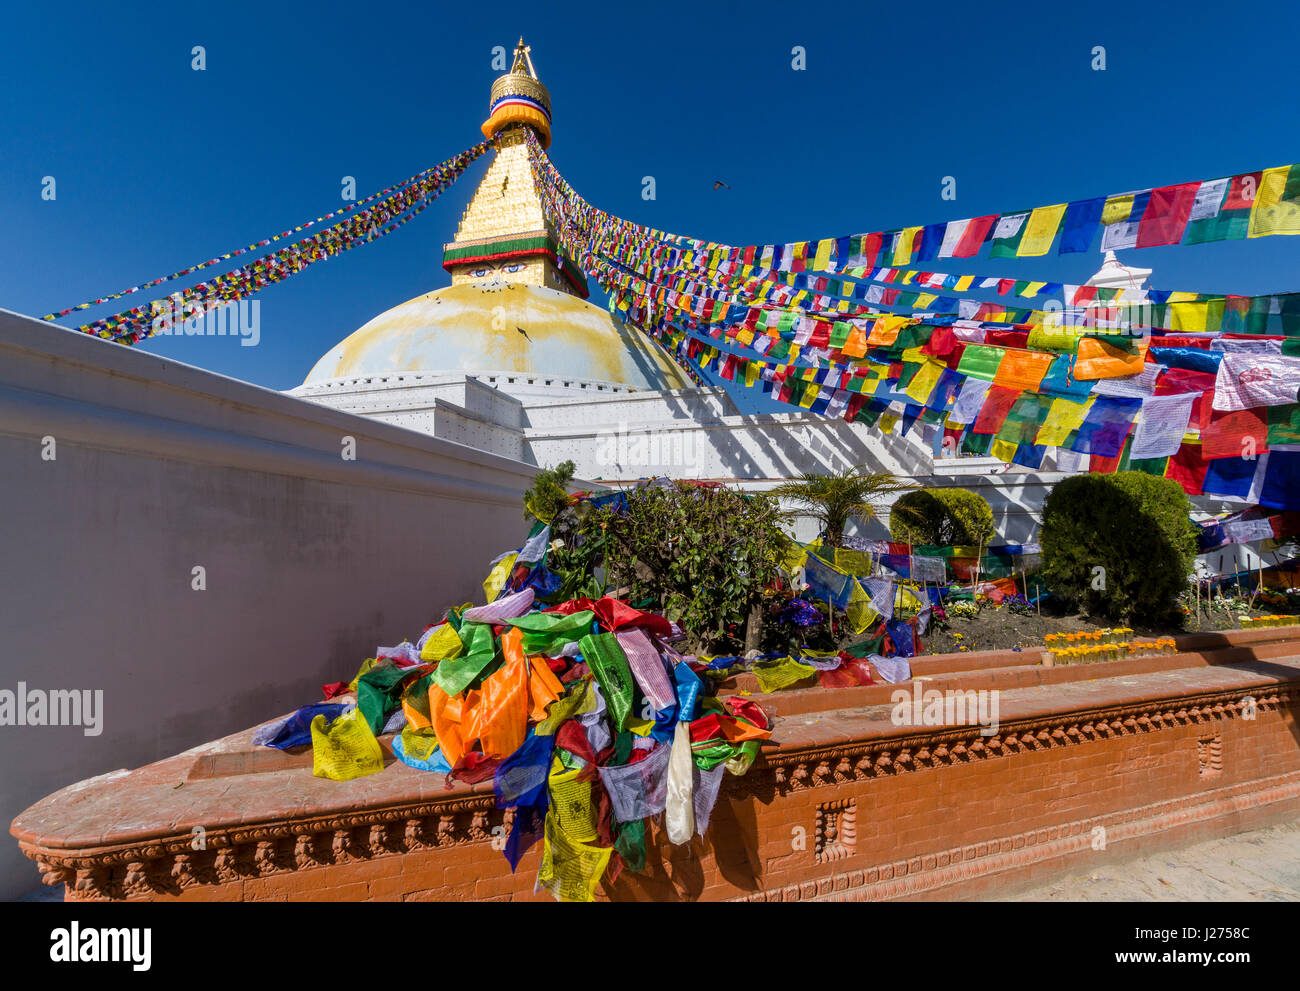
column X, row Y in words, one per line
column 1248, row 380
column 1163, row 422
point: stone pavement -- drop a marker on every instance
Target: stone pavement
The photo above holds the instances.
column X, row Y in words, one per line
column 1261, row 865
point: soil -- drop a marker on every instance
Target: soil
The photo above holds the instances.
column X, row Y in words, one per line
column 996, row 628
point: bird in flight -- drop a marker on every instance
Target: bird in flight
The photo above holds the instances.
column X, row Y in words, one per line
column 525, row 333
column 719, row 184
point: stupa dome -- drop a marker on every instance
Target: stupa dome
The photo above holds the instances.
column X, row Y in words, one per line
column 549, row 338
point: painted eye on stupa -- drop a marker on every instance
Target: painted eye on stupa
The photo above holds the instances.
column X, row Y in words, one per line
column 514, row 267
column 482, row 270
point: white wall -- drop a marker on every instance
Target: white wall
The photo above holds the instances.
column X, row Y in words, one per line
column 311, row 560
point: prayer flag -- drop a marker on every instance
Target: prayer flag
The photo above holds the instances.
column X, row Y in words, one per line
column 1040, row 231
column 1166, row 215
column 1082, row 218
column 1277, row 205
column 1007, row 233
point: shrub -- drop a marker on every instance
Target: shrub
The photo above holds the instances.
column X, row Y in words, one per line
column 835, row 497
column 549, row 493
column 941, row 517
column 1132, row 526
column 701, row 555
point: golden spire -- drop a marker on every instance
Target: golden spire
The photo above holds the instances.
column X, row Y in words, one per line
column 518, row 97
column 504, row 235
column 523, row 59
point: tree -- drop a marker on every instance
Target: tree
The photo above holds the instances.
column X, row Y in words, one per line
column 941, row 517
column 549, row 493
column 1121, row 546
column 702, row 555
column 835, row 497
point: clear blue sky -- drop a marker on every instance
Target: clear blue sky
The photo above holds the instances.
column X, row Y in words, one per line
column 159, row 166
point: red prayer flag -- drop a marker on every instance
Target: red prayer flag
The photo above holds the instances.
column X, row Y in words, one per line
column 870, row 249
column 972, row 239
column 1242, row 191
column 997, row 404
column 1188, row 468
column 1166, row 215
column 1234, row 435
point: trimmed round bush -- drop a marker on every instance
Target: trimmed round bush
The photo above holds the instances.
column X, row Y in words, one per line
column 1119, row 546
column 941, row 517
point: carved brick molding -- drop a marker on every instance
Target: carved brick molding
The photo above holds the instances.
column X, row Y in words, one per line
column 836, row 830
column 797, row 770
column 1209, row 755
column 168, row 865
column 948, row 870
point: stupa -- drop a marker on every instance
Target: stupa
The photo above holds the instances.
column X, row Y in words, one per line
column 512, row 359
column 516, row 312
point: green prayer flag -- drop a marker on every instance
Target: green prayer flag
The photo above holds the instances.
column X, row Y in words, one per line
column 630, row 845
column 1008, row 244
column 609, row 664
column 548, row 632
column 455, row 675
column 379, row 692
column 981, row 362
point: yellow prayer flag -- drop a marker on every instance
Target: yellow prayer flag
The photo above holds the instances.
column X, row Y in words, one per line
column 923, row 381
column 822, row 258
column 887, row 422
column 1063, row 416
column 1003, row 450
column 1117, row 208
column 442, row 644
column 497, row 577
column 903, row 248
column 964, row 283
column 859, row 611
column 794, row 557
column 852, row 562
column 1271, row 214
column 345, row 748
column 1040, row 231
column 809, row 395
column 1188, row 317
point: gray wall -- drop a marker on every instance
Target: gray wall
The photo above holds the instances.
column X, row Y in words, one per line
column 311, row 560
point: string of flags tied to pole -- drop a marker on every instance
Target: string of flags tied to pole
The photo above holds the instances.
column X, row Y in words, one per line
column 1199, row 388
column 365, row 221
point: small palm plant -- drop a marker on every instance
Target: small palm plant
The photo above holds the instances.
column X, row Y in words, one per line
column 834, row 497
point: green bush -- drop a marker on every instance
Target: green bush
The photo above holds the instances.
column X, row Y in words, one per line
column 701, row 555
column 549, row 494
column 941, row 517
column 1119, row 546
